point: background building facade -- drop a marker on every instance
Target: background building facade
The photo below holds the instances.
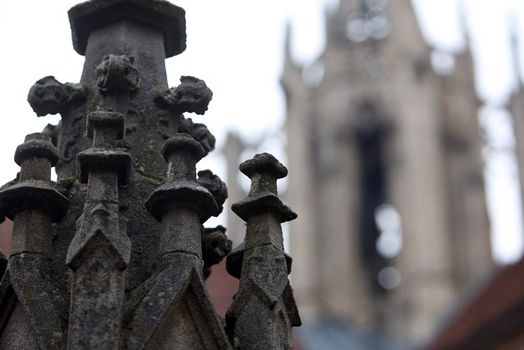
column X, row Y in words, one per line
column 386, row 173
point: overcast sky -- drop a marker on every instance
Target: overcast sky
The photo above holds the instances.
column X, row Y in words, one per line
column 236, row 46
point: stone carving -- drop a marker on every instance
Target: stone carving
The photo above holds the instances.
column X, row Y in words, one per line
column 33, row 204
column 116, row 75
column 192, row 95
column 200, row 132
column 214, row 185
column 215, row 247
column 49, row 96
column 93, row 264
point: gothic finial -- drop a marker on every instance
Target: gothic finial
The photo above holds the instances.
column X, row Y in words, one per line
column 214, row 185
column 182, row 153
column 264, row 307
column 35, row 156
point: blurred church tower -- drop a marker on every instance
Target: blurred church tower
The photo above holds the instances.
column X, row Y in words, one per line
column 385, row 167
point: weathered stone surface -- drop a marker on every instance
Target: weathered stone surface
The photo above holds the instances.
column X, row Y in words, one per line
column 163, row 298
column 17, row 332
column 33, row 189
column 42, row 300
column 182, row 153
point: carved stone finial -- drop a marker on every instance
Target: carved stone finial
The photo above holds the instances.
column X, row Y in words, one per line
column 33, row 191
column 263, row 164
column 264, row 170
column 182, row 153
column 181, row 205
column 33, row 204
column 264, row 308
column 192, row 95
column 49, row 96
column 105, row 128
